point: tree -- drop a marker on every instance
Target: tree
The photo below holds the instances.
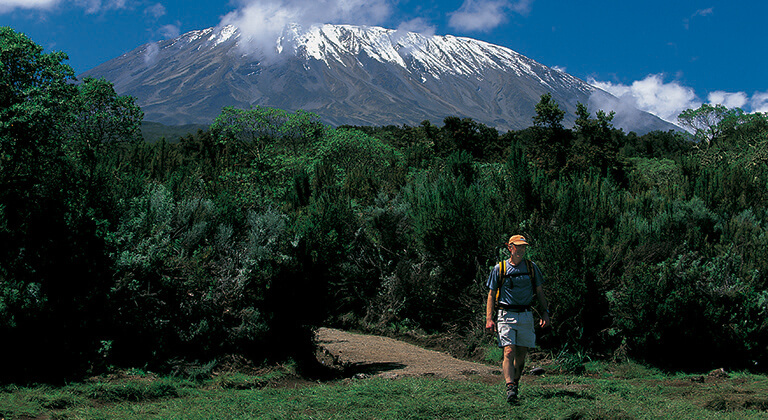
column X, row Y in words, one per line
column 34, row 91
column 548, row 113
column 728, row 135
column 253, row 129
column 52, row 255
column 744, row 130
column 430, row 131
column 358, row 162
column 548, row 142
column 260, row 128
column 302, row 129
column 99, row 116
column 596, row 144
column 468, row 135
column 704, row 122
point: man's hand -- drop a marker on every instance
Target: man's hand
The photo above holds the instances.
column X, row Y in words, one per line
column 490, row 310
column 544, row 322
column 490, row 325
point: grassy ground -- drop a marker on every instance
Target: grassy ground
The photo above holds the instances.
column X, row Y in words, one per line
column 624, row 391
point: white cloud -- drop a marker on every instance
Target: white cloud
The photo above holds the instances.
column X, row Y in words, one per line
column 522, row 7
column 653, row 95
column 417, row 25
column 90, row 6
column 485, row 15
column 704, row 12
column 156, row 10
column 479, row 15
column 98, row 6
column 169, row 31
column 730, row 100
column 759, row 102
column 10, row 5
column 667, row 100
column 150, row 55
column 262, row 21
column 700, row 12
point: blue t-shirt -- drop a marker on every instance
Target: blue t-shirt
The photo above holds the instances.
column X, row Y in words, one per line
column 517, row 289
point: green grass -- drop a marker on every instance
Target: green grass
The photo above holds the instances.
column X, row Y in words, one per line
column 625, row 391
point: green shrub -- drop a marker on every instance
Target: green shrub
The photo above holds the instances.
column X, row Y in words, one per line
column 668, row 313
column 133, row 391
column 190, row 287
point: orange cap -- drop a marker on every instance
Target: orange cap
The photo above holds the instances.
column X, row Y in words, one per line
column 517, row 240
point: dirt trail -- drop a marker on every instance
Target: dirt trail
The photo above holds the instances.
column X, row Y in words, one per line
column 370, row 355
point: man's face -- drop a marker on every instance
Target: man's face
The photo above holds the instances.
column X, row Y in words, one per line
column 518, row 250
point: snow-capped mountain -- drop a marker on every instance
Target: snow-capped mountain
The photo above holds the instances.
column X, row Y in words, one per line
column 347, row 75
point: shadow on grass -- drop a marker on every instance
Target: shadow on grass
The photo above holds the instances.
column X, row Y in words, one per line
column 598, row 414
column 564, row 393
column 736, row 402
column 371, row 368
column 326, row 367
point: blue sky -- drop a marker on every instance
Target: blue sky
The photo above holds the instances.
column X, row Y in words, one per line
column 662, row 56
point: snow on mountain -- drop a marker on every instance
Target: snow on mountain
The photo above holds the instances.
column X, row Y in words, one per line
column 435, row 55
column 347, row 75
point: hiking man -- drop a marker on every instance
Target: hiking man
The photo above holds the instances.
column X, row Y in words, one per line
column 509, row 312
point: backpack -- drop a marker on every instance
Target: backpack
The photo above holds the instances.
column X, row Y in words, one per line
column 503, row 274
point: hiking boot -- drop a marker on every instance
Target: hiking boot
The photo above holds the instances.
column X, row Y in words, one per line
column 512, row 392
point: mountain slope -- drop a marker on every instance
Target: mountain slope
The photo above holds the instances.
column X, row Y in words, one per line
column 347, row 75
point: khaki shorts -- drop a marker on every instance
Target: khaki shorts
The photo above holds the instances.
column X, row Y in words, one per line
column 516, row 329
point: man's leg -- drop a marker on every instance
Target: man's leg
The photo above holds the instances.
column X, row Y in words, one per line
column 508, row 367
column 513, row 363
column 508, row 364
column 512, row 366
column 519, row 362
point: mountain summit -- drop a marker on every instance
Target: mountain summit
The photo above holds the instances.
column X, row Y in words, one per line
column 348, row 75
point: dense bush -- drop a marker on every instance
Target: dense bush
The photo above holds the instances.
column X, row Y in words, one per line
column 689, row 312
column 243, row 238
column 53, row 257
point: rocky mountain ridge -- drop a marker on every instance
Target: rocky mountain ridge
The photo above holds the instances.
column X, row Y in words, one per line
column 349, row 75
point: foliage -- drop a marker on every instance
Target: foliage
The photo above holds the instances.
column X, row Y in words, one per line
column 663, row 175
column 596, row 143
column 467, row 135
column 444, row 209
column 52, row 253
column 176, row 254
column 100, row 117
column 359, row 164
column 705, row 122
column 548, row 113
column 657, row 144
column 169, row 254
column 260, row 128
column 689, row 301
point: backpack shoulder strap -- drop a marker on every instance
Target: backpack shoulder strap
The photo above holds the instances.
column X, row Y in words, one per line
column 532, row 274
column 502, row 276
